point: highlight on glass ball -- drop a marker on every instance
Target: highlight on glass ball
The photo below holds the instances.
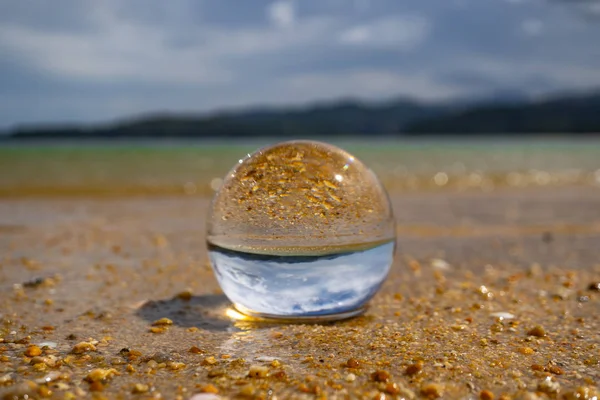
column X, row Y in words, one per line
column 301, row 230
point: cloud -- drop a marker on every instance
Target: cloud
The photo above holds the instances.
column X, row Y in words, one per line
column 372, row 84
column 532, row 27
column 119, row 49
column 400, row 32
column 84, row 60
column 281, row 13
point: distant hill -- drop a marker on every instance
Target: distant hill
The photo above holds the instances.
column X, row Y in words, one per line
column 567, row 114
column 345, row 118
column 571, row 114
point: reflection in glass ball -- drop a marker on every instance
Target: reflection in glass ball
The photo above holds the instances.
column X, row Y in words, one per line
column 301, row 229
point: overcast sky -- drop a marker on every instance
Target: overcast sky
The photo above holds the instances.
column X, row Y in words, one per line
column 97, row 60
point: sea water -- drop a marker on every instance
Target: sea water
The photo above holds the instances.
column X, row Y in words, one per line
column 301, row 229
column 301, row 286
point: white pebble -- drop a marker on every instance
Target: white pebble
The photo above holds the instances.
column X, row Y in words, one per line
column 438, row 263
column 502, row 315
column 205, row 396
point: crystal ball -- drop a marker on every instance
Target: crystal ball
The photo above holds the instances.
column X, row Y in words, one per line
column 301, row 229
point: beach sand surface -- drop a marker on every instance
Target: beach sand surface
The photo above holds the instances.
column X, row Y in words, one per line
column 491, row 295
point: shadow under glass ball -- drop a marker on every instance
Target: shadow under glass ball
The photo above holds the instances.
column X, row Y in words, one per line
column 301, row 229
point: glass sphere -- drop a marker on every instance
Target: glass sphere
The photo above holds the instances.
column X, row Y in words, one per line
column 301, row 229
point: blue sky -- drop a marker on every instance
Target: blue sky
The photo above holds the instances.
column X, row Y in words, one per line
column 93, row 61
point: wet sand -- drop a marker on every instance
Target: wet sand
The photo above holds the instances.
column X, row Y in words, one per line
column 492, row 296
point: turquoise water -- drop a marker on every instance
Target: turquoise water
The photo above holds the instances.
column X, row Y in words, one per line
column 194, row 168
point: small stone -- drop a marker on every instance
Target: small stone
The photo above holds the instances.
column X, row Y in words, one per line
column 175, row 366
column 258, row 371
column 537, row 331
column 392, row 388
column 486, row 395
column 161, row 357
column 352, row 363
column 414, row 369
column 53, row 377
column 140, row 388
column 186, row 295
column 209, row 361
column 432, row 390
column 548, row 386
column 502, row 315
column 83, row 347
column 555, row 369
column 33, row 351
column 537, row 367
column 350, row 377
column 594, row 287
column 380, row 376
column 195, row 350
column 526, row 350
column 158, row 329
column 205, row 396
column 50, row 345
column 527, row 396
column 440, row 264
column 162, row 322
column 215, row 373
column 209, row 388
column 101, row 375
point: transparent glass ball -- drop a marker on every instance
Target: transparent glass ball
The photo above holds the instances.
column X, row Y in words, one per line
column 301, row 229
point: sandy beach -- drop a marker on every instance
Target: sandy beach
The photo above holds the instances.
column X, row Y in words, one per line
column 492, row 296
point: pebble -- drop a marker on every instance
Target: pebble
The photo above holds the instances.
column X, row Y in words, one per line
column 33, row 351
column 526, row 350
column 162, row 322
column 205, row 396
column 51, row 345
column 537, row 331
column 352, row 363
column 594, row 286
column 258, row 371
column 101, row 375
column 380, row 376
column 83, row 347
column 502, row 315
column 548, row 385
column 440, row 264
column 52, row 377
column 209, row 388
column 414, row 369
column 209, row 361
column 432, row 390
column 350, row 377
column 175, row 366
column 265, row 358
column 140, row 388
